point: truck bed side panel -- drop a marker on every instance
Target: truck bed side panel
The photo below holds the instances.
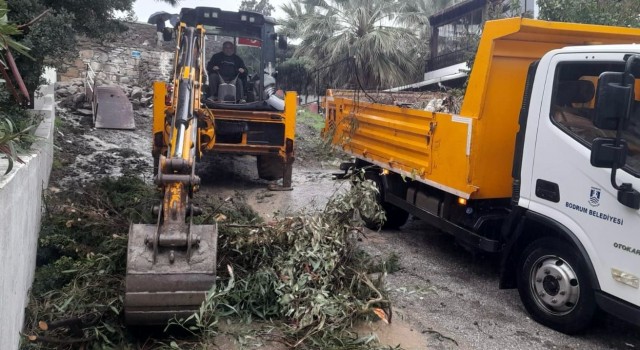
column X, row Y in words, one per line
column 471, row 154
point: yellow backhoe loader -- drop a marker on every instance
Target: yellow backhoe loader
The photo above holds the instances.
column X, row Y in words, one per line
column 172, row 265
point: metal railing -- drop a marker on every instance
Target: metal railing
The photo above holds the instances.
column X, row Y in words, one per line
column 89, row 89
column 90, row 80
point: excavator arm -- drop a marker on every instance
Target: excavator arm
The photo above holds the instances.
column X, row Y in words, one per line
column 171, row 265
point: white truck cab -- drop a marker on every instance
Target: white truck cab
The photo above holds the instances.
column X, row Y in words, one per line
column 580, row 172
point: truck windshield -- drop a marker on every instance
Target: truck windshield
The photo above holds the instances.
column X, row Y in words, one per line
column 573, row 107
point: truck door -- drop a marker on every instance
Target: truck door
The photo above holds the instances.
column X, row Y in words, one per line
column 567, row 189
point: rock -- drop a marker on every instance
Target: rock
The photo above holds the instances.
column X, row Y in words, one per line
column 79, row 98
column 62, row 92
column 67, row 102
column 135, row 104
column 72, row 90
column 85, row 112
column 62, row 84
column 125, row 80
column 145, row 101
column 86, row 105
column 136, row 93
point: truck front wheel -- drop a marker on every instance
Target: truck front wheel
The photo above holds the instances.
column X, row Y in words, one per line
column 554, row 286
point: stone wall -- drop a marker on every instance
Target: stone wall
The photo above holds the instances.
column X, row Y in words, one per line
column 131, row 58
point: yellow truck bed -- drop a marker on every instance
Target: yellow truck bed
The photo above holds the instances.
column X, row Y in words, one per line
column 469, row 154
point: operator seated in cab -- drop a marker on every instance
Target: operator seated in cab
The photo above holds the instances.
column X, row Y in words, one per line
column 226, row 69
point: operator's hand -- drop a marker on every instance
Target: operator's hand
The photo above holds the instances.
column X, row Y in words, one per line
column 241, row 70
column 215, row 68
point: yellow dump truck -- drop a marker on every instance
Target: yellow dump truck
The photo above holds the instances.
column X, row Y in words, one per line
column 541, row 164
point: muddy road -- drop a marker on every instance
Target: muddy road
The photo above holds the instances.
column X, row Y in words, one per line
column 444, row 297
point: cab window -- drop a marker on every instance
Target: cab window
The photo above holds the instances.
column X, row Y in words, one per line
column 573, row 107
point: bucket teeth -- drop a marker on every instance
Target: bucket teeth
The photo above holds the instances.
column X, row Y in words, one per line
column 173, row 286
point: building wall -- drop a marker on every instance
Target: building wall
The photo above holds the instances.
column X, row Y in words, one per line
column 440, row 72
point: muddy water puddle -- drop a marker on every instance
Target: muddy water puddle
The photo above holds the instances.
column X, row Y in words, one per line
column 236, row 176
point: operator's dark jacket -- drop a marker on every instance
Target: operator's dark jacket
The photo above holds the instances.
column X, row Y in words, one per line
column 228, row 65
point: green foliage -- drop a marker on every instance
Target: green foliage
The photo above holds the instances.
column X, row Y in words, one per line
column 261, row 6
column 313, row 120
column 331, row 31
column 7, row 31
column 303, row 270
column 95, row 19
column 17, row 128
column 295, row 75
column 303, row 273
column 608, row 12
column 310, row 143
column 81, row 259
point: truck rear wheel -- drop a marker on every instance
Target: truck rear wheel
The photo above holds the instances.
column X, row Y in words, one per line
column 396, row 217
column 270, row 167
column 554, row 286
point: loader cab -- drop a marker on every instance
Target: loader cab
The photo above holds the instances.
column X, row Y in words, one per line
column 255, row 39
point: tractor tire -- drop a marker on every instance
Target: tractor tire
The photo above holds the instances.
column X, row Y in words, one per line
column 270, row 167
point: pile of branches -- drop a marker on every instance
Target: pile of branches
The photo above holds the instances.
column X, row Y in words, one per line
column 303, row 273
column 449, row 101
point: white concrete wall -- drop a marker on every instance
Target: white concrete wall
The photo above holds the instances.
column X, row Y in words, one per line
column 20, row 213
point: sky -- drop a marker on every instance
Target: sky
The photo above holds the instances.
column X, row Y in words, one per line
column 144, row 8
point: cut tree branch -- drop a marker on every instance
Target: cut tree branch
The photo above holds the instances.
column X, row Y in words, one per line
column 33, row 21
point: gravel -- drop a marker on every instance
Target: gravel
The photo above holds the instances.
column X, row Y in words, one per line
column 451, row 297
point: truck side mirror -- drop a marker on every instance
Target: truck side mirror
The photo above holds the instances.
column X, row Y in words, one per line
column 613, row 100
column 282, row 42
column 606, row 153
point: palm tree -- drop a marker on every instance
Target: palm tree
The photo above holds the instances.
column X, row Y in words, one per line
column 170, row 2
column 365, row 30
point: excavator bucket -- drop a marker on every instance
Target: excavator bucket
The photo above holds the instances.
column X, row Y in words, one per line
column 176, row 284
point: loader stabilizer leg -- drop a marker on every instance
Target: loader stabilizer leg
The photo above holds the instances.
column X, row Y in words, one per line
column 173, row 287
column 287, row 174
